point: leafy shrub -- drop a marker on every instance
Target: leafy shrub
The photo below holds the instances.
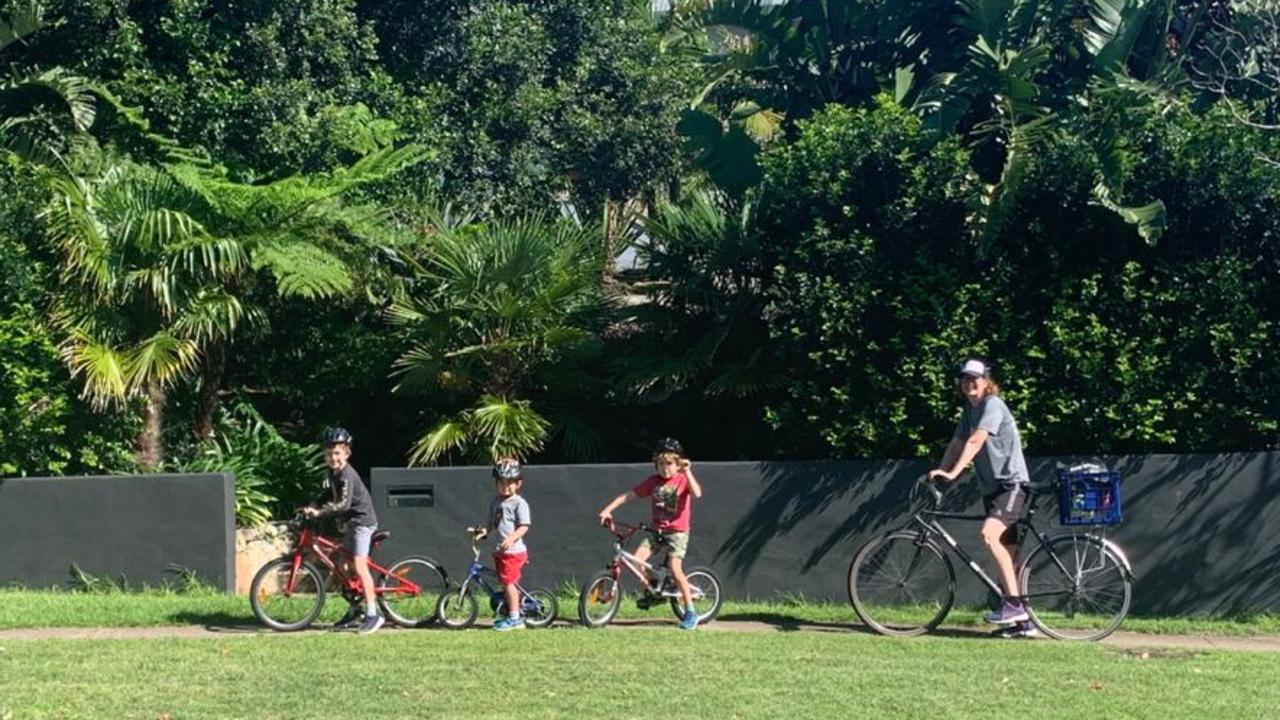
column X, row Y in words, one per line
column 273, row 475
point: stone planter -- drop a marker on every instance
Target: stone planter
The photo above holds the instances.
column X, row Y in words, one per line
column 256, row 547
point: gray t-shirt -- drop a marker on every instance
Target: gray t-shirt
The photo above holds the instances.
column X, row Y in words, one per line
column 999, row 463
column 506, row 514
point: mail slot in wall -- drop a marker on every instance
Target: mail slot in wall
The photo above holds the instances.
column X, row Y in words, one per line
column 411, row 496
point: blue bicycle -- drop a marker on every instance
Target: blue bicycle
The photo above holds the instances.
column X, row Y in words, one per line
column 458, row 609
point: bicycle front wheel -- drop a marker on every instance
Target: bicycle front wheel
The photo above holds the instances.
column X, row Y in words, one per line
column 705, row 588
column 598, row 603
column 901, row 584
column 457, row 609
column 410, row 591
column 1076, row 588
column 283, row 599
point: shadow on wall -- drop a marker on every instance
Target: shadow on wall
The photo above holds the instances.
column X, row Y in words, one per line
column 1202, row 532
column 796, row 494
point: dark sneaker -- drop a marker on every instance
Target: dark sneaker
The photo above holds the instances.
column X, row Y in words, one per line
column 689, row 621
column 371, row 624
column 509, row 623
column 351, row 620
column 647, row 600
column 1008, row 614
column 1017, row 630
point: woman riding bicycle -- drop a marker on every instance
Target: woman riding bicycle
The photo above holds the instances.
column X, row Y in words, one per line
column 987, row 436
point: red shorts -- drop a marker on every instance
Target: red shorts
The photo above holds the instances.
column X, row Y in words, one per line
column 508, row 566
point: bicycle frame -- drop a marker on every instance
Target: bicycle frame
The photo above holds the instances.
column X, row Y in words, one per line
column 478, row 572
column 623, row 559
column 927, row 521
column 334, row 556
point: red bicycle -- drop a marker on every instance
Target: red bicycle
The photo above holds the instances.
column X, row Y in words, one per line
column 288, row 593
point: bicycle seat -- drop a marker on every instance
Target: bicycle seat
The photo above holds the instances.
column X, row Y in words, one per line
column 379, row 536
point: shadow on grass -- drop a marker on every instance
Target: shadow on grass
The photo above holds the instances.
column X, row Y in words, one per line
column 218, row 622
column 788, row 623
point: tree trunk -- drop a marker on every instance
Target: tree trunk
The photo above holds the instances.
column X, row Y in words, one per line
column 211, row 372
column 150, row 450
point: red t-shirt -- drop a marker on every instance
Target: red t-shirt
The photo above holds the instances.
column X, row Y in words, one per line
column 671, row 506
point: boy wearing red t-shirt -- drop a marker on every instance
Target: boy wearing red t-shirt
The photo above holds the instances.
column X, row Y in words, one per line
column 671, row 491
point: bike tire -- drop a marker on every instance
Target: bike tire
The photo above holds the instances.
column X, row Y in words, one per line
column 1077, row 588
column 412, row 609
column 287, row 611
column 457, row 610
column 901, row 584
column 540, row 608
column 599, row 600
column 707, row 597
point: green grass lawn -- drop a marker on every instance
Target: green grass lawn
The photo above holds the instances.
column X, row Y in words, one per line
column 571, row 672
column 33, row 609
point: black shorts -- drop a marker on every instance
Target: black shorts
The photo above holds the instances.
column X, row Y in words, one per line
column 1007, row 505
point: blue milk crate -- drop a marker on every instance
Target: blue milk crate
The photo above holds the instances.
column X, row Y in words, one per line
column 1089, row 497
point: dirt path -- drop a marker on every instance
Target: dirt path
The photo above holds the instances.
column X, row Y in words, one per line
column 1130, row 642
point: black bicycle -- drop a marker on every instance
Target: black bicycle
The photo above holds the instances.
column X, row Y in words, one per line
column 1078, row 585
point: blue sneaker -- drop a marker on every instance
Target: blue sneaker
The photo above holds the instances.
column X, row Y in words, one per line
column 1010, row 612
column 689, row 621
column 509, row 623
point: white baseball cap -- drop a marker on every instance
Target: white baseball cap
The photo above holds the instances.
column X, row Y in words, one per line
column 975, row 368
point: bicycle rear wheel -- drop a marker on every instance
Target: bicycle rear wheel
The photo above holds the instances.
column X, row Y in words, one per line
column 539, row 608
column 598, row 603
column 1076, row 588
column 410, row 591
column 901, row 584
column 705, row 588
column 286, row 600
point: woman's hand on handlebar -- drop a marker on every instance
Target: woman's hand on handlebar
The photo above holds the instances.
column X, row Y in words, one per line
column 606, row 519
column 937, row 476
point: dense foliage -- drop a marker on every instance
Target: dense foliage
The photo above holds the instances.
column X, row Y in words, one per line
column 559, row 228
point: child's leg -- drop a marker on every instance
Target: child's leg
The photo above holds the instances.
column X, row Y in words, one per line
column 508, row 568
column 366, row 582
column 513, row 599
column 361, row 537
column 642, row 553
column 682, row 581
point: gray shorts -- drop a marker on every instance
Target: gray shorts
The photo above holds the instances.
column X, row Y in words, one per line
column 359, row 537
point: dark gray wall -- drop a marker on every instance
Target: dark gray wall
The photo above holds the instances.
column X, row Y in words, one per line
column 1203, row 531
column 134, row 527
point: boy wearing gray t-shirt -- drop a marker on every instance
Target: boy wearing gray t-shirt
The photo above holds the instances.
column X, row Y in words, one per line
column 509, row 516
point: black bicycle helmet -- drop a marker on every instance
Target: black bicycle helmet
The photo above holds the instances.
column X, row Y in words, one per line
column 337, row 436
column 507, row 469
column 668, row 445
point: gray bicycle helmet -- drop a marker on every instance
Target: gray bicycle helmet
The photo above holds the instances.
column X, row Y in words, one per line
column 507, row 469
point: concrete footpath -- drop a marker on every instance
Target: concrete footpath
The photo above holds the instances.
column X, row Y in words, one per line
column 1127, row 641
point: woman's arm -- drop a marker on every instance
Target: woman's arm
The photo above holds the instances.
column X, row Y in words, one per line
column 968, row 450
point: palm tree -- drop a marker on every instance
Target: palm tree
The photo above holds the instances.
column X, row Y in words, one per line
column 164, row 263
column 490, row 308
column 39, row 109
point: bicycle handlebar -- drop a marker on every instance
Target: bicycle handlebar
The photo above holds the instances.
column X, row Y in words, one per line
column 932, row 487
